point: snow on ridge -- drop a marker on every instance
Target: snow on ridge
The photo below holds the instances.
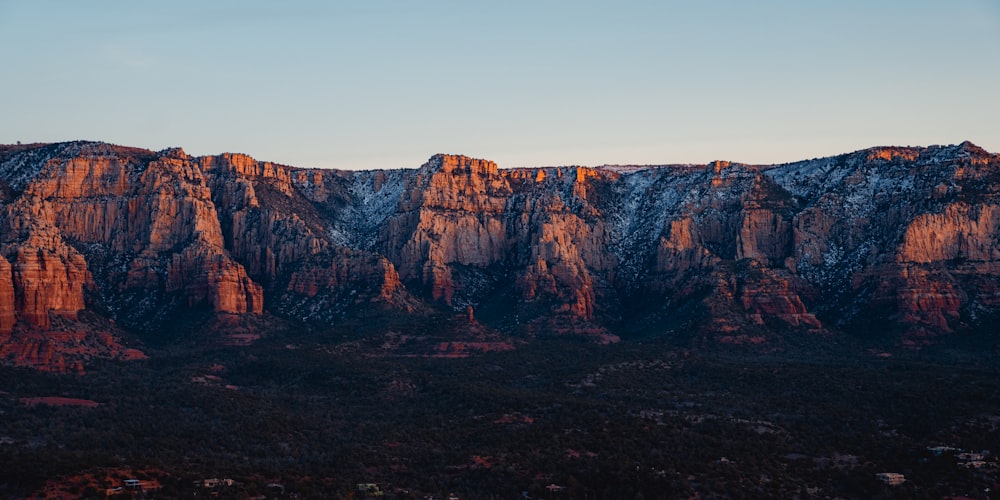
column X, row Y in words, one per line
column 628, row 169
column 20, row 168
column 807, row 179
column 360, row 220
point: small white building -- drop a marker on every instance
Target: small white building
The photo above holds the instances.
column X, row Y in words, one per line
column 891, row 478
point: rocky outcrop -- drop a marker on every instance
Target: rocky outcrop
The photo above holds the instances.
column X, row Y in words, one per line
column 907, row 237
column 680, row 249
column 8, row 312
column 747, row 302
column 451, row 214
column 775, row 296
column 117, row 229
column 48, row 277
column 201, row 274
column 960, row 232
column 62, row 350
column 286, row 226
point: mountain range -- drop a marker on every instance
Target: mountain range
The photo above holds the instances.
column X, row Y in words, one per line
column 104, row 248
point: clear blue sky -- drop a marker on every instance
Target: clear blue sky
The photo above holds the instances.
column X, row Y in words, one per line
column 382, row 84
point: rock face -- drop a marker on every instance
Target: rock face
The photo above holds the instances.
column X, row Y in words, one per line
column 904, row 240
column 8, row 312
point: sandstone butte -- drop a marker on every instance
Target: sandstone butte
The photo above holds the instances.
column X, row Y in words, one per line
column 98, row 239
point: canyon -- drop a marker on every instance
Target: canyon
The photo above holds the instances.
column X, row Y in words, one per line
column 101, row 245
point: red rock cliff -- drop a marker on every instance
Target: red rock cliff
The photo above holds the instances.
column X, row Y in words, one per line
column 900, row 236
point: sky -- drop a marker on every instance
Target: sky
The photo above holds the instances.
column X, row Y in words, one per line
column 387, row 84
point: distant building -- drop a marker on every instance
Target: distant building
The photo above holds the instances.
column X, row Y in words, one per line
column 891, row 478
column 214, row 482
column 369, row 489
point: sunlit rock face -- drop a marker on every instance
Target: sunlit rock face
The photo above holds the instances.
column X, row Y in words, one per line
column 904, row 241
